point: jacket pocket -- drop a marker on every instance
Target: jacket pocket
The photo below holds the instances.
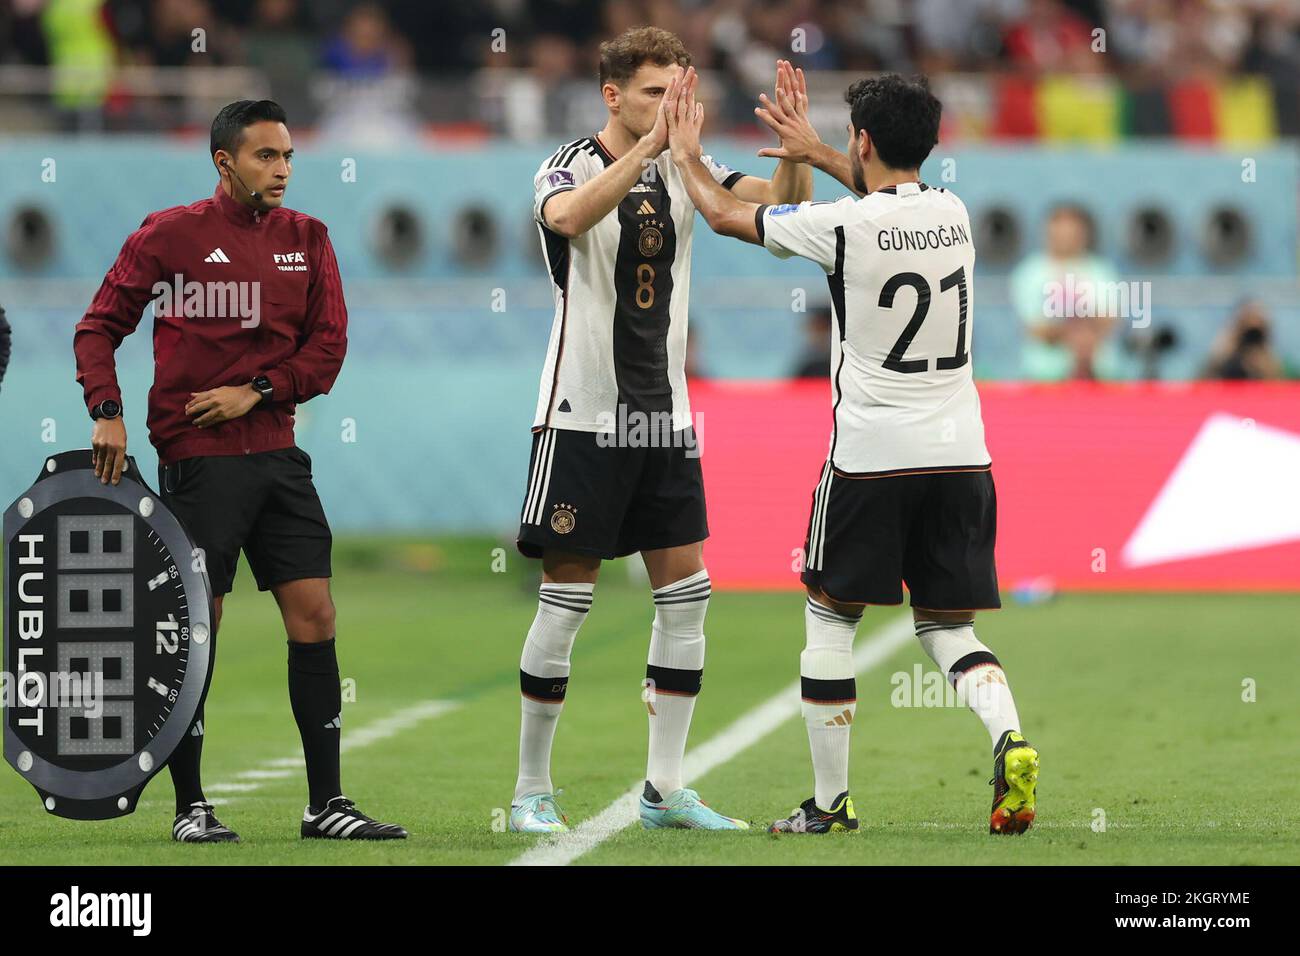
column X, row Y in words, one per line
column 168, row 480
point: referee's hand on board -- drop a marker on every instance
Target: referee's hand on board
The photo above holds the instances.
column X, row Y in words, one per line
column 108, row 449
column 218, row 405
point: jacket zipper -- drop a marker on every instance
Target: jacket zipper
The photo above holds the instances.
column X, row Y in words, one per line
column 257, row 249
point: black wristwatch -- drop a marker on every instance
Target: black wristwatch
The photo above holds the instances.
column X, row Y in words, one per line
column 262, row 385
column 106, row 409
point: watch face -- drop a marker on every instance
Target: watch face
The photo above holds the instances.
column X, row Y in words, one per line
column 106, row 635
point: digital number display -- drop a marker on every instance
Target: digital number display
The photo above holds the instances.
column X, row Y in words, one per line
column 106, row 723
column 107, row 625
column 103, row 633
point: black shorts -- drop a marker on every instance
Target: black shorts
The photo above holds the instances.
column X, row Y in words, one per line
column 264, row 503
column 608, row 501
column 935, row 531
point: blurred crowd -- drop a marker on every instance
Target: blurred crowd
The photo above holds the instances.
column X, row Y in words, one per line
column 1162, row 37
column 553, row 41
column 526, row 68
column 1154, row 38
column 1085, row 340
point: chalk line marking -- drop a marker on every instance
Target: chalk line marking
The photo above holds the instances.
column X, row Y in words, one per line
column 747, row 730
column 279, row 768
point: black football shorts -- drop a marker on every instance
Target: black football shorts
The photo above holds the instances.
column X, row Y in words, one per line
column 934, row 531
column 264, row 504
column 609, row 501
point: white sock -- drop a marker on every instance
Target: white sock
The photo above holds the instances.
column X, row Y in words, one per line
column 829, row 697
column 974, row 673
column 544, row 679
column 673, row 672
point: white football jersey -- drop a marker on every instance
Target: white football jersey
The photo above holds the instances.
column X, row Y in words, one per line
column 619, row 333
column 900, row 262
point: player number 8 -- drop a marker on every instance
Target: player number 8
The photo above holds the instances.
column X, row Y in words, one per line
column 645, row 290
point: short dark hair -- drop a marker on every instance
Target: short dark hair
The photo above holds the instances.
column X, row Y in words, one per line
column 621, row 57
column 229, row 125
column 901, row 116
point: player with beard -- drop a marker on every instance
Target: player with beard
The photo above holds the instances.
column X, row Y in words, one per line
column 906, row 493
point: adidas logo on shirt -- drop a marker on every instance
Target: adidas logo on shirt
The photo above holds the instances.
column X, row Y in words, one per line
column 645, row 208
column 216, row 256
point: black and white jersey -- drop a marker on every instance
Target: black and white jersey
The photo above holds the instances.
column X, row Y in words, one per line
column 619, row 333
column 900, row 262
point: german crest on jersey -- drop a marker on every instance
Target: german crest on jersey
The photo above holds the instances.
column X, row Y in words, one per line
column 563, row 518
column 650, row 240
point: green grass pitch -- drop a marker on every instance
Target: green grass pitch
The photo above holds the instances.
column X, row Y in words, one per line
column 1135, row 703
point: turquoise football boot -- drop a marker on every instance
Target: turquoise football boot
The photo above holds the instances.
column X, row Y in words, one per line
column 538, row 813
column 684, row 810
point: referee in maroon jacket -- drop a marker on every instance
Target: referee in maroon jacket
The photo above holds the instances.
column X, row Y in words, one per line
column 249, row 319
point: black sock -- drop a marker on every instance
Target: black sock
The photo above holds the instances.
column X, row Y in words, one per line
column 317, row 707
column 184, row 766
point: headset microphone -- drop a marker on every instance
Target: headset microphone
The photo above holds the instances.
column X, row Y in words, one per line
column 253, row 194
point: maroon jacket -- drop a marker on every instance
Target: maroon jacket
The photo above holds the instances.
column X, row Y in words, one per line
column 292, row 327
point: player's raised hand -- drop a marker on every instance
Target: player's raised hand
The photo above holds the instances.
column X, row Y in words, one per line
column 801, row 87
column 658, row 135
column 787, row 116
column 783, row 88
column 782, row 91
column 685, row 119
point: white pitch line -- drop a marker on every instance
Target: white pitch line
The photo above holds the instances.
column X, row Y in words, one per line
column 395, row 723
column 747, row 730
column 230, row 787
column 263, row 774
column 279, row 768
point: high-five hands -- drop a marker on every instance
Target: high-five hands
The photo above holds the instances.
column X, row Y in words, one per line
column 657, row 138
column 684, row 117
column 787, row 115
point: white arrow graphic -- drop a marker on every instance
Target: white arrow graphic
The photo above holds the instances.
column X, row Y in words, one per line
column 1236, row 487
